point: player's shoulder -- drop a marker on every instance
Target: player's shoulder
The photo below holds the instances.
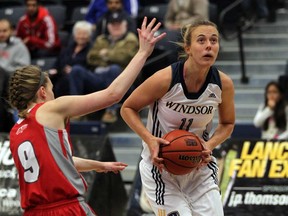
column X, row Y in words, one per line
column 164, row 74
column 161, row 78
column 226, row 81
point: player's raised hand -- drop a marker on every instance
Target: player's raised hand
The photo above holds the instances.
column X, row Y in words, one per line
column 147, row 38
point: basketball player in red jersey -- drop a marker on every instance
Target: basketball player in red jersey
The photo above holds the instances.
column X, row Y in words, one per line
column 49, row 178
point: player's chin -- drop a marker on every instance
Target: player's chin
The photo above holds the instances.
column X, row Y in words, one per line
column 207, row 63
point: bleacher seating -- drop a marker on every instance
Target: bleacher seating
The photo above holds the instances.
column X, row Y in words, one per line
column 78, row 13
column 64, row 37
column 9, row 3
column 71, row 4
column 59, row 14
column 50, row 2
column 12, row 13
column 213, row 12
column 156, row 10
column 144, row 3
column 75, row 3
column 44, row 63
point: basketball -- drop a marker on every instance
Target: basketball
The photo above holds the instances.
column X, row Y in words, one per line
column 183, row 153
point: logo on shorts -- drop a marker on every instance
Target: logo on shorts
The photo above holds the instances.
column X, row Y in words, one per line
column 174, row 213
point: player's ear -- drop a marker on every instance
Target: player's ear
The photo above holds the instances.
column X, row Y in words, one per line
column 42, row 93
column 187, row 49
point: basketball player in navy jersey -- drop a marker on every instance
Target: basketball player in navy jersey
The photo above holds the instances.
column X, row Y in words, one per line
column 184, row 95
column 49, row 178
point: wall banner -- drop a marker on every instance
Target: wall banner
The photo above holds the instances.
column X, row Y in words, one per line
column 102, row 187
column 9, row 187
column 254, row 180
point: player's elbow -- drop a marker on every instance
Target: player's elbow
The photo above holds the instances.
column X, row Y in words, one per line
column 115, row 96
column 257, row 123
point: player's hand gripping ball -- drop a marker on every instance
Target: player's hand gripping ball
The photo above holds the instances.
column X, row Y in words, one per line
column 184, row 152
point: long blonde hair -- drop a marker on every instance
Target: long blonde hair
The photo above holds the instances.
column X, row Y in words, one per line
column 23, row 86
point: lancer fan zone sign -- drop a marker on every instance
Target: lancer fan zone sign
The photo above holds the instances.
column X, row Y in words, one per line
column 255, row 178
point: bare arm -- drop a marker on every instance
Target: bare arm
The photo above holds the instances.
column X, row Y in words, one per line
column 146, row 94
column 226, row 114
column 262, row 114
column 85, row 165
column 68, row 106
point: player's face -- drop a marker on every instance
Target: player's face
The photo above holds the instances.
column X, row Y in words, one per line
column 5, row 31
column 204, row 46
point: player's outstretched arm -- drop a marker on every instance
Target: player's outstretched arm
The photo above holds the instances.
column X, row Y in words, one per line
column 85, row 165
column 81, row 105
column 147, row 41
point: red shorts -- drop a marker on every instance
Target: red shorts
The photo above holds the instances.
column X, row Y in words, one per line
column 64, row 208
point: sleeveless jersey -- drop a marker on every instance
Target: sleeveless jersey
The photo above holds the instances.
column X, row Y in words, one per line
column 43, row 158
column 180, row 109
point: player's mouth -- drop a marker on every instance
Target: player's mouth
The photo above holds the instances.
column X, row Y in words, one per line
column 208, row 56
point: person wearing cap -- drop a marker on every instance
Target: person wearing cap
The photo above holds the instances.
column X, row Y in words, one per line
column 98, row 8
column 114, row 6
column 108, row 56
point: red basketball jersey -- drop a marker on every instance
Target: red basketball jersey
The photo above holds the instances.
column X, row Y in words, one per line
column 43, row 158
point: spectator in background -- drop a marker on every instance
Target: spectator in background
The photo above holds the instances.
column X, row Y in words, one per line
column 272, row 6
column 6, row 116
column 114, row 6
column 74, row 54
column 272, row 116
column 13, row 54
column 255, row 9
column 182, row 12
column 262, row 9
column 132, row 6
column 38, row 30
column 116, row 47
column 107, row 58
column 98, row 8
